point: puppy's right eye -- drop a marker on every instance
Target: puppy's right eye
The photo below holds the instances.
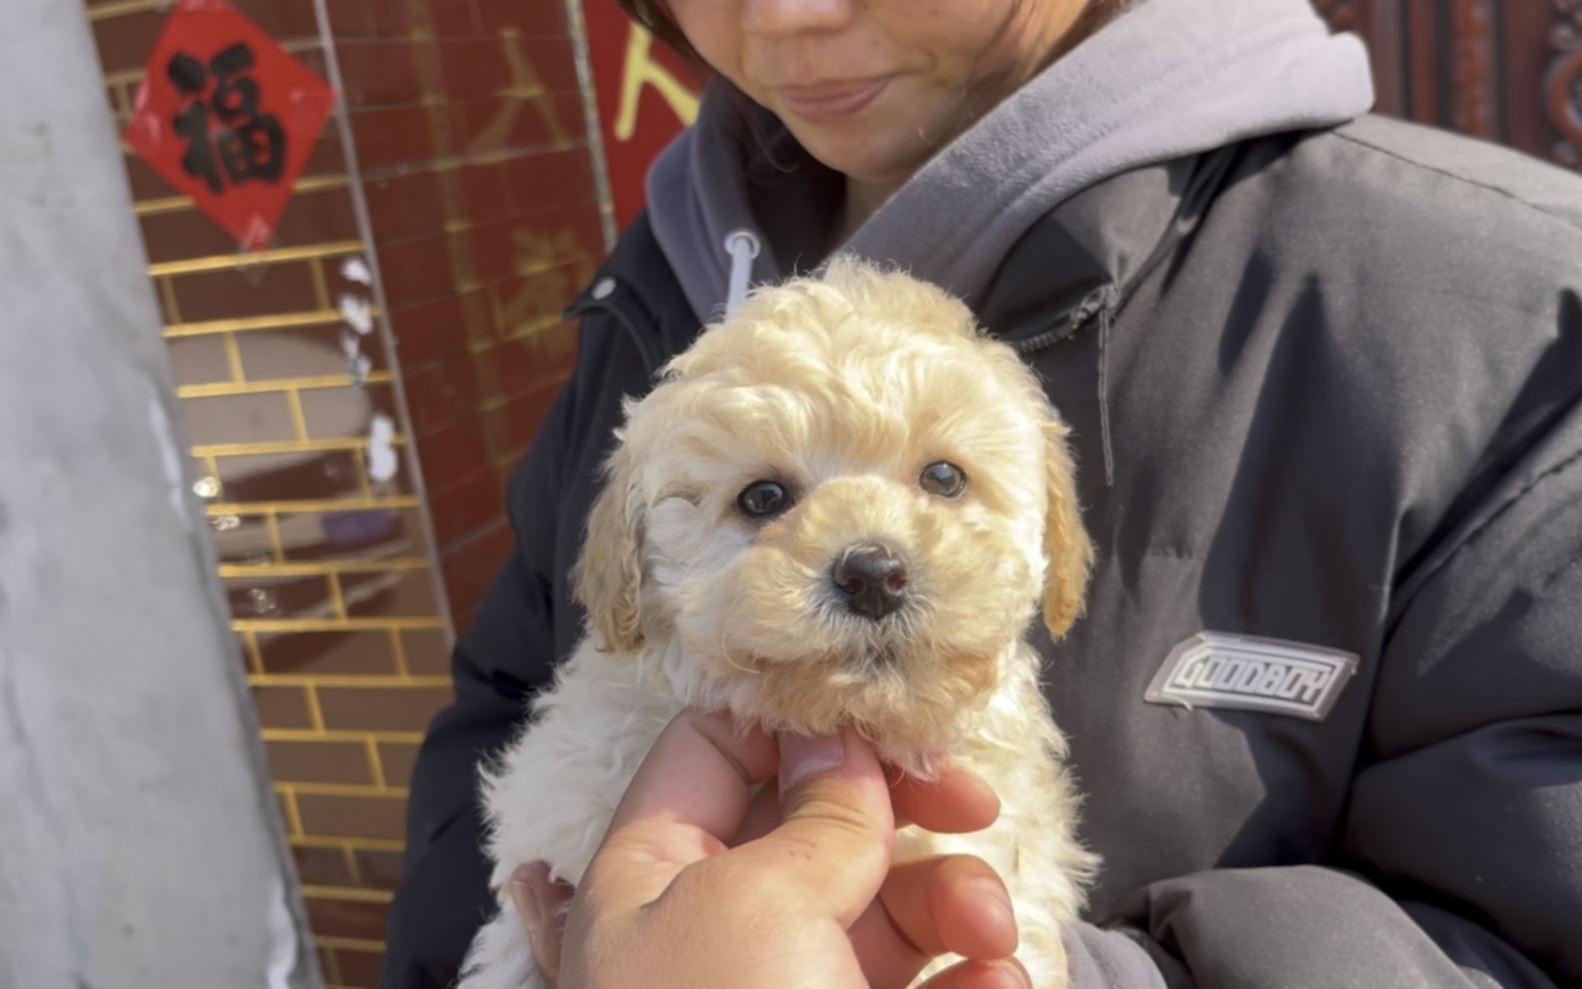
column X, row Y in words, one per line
column 944, row 479
column 763, row 499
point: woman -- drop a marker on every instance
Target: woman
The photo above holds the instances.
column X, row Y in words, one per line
column 1323, row 372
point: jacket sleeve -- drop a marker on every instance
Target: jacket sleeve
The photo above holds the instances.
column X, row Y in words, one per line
column 526, row 625
column 1471, row 799
column 1463, row 841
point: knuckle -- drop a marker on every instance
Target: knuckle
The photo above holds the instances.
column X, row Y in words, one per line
column 839, row 818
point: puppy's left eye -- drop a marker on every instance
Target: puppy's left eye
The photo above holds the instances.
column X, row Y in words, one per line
column 763, row 499
column 943, row 479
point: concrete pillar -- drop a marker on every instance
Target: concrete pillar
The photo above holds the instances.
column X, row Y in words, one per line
column 138, row 840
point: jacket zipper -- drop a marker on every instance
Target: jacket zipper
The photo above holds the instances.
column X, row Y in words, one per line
column 1099, row 306
column 1086, row 311
column 1047, row 338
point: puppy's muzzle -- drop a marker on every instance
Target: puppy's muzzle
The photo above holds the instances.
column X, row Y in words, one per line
column 872, row 578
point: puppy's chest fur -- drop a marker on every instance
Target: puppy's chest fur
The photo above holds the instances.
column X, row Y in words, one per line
column 552, row 793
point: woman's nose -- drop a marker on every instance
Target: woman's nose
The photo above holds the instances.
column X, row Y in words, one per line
column 771, row 18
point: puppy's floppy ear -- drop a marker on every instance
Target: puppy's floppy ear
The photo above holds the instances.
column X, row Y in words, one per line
column 609, row 573
column 1066, row 542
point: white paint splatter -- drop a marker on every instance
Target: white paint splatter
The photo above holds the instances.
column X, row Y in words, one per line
column 355, row 270
column 359, row 363
column 382, row 460
column 283, row 938
column 358, row 312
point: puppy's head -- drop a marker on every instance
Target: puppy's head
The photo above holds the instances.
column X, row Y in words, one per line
column 840, row 507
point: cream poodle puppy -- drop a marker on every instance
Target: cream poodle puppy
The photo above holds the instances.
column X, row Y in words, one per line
column 842, row 506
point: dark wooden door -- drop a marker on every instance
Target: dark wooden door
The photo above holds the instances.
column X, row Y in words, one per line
column 1505, row 70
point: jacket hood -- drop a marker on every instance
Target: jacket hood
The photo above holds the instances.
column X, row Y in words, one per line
column 1164, row 80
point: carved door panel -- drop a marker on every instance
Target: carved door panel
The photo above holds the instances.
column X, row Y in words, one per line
column 1508, row 71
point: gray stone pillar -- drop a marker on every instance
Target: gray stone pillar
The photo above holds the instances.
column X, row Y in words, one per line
column 138, row 841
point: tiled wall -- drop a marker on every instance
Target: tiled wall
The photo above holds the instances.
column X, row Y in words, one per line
column 483, row 220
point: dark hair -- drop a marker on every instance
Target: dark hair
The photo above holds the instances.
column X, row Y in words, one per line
column 656, row 17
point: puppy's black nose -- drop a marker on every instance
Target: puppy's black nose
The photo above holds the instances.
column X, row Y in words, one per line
column 873, row 578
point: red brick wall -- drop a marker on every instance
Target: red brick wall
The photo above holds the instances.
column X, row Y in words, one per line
column 471, row 140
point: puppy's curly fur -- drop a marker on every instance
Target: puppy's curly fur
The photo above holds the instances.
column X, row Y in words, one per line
column 842, row 391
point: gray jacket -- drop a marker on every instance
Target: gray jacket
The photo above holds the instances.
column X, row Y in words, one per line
column 1326, row 703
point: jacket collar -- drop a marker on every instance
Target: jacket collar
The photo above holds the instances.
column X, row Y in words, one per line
column 1088, row 253
column 1083, row 257
column 638, row 289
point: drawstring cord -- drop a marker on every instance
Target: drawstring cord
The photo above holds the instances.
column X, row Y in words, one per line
column 1099, row 304
column 742, row 246
column 1105, row 319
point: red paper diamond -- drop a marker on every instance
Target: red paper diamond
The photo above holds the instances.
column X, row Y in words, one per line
column 228, row 117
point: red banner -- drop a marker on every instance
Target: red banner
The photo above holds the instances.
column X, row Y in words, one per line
column 228, row 117
column 646, row 96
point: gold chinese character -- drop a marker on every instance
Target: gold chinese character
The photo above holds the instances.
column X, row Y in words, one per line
column 641, row 69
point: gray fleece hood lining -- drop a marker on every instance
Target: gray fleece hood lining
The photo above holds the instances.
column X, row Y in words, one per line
column 1166, row 79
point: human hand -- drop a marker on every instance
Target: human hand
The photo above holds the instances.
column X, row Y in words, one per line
column 807, row 899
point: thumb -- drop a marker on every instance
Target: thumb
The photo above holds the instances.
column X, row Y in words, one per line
column 837, row 827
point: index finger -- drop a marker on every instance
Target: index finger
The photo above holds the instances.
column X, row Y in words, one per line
column 956, row 801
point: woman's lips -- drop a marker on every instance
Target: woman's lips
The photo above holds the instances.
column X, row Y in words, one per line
column 830, row 101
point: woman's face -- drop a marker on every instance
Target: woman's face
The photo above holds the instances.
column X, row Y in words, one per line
column 873, row 87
